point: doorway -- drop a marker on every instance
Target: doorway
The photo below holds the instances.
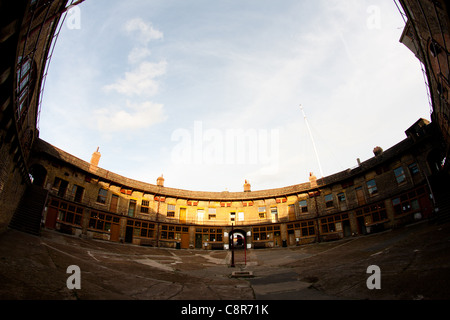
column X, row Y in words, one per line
column 115, row 232
column 362, row 225
column 198, row 240
column 238, row 239
column 129, row 235
column 52, row 215
column 114, row 203
column 39, row 174
column 182, row 215
column 347, row 228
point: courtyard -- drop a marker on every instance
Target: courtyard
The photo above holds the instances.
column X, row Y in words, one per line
column 414, row 262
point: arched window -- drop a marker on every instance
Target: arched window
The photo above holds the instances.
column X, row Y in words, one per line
column 25, row 85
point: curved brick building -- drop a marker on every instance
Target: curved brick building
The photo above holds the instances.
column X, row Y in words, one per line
column 42, row 186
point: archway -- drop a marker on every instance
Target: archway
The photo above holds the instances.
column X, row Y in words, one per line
column 38, row 174
column 238, row 238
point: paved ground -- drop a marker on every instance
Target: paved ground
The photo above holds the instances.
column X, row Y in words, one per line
column 414, row 263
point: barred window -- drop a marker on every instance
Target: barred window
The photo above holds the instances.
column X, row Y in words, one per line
column 145, row 206
column 171, row 210
column 400, row 175
column 329, row 201
column 262, row 212
column 102, row 195
column 372, row 187
column 303, row 206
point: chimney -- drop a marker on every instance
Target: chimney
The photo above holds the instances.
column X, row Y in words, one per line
column 247, row 186
column 312, row 180
column 377, row 151
column 95, row 159
column 160, row 181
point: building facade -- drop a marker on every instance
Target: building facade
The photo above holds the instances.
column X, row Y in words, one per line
column 427, row 35
column 387, row 191
column 396, row 186
column 27, row 31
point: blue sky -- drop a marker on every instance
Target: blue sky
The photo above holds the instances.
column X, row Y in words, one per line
column 174, row 87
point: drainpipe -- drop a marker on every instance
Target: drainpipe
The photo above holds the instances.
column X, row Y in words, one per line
column 157, row 222
column 317, row 215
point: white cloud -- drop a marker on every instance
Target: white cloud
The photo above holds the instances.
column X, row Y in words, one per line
column 146, row 32
column 132, row 117
column 140, row 81
column 138, row 54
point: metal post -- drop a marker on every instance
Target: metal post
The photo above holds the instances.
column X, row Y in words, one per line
column 245, row 250
column 232, row 246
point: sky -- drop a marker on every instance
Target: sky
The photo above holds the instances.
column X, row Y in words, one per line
column 208, row 93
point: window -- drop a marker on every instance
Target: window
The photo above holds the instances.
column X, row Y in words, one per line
column 172, row 232
column 200, row 215
column 328, row 225
column 171, row 210
column 274, row 213
column 303, row 206
column 232, row 216
column 304, row 229
column 342, row 201
column 144, row 229
column 101, row 221
column 376, row 212
column 131, row 208
column 61, row 186
column 102, row 194
column 67, row 212
column 145, row 204
column 208, row 235
column 414, row 169
column 408, row 202
column 262, row 212
column 265, row 233
column 212, row 213
column 308, row 228
column 372, row 187
column 24, row 80
column 334, row 223
column 77, row 193
column 329, row 201
column 400, row 175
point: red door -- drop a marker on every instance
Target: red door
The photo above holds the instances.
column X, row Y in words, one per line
column 52, row 215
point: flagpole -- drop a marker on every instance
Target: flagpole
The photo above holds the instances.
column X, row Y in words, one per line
column 312, row 139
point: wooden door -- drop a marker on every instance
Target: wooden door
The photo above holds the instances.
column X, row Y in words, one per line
column 113, row 204
column 115, row 232
column 360, row 196
column 277, row 239
column 52, row 215
column 182, row 215
column 425, row 206
column 185, row 241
